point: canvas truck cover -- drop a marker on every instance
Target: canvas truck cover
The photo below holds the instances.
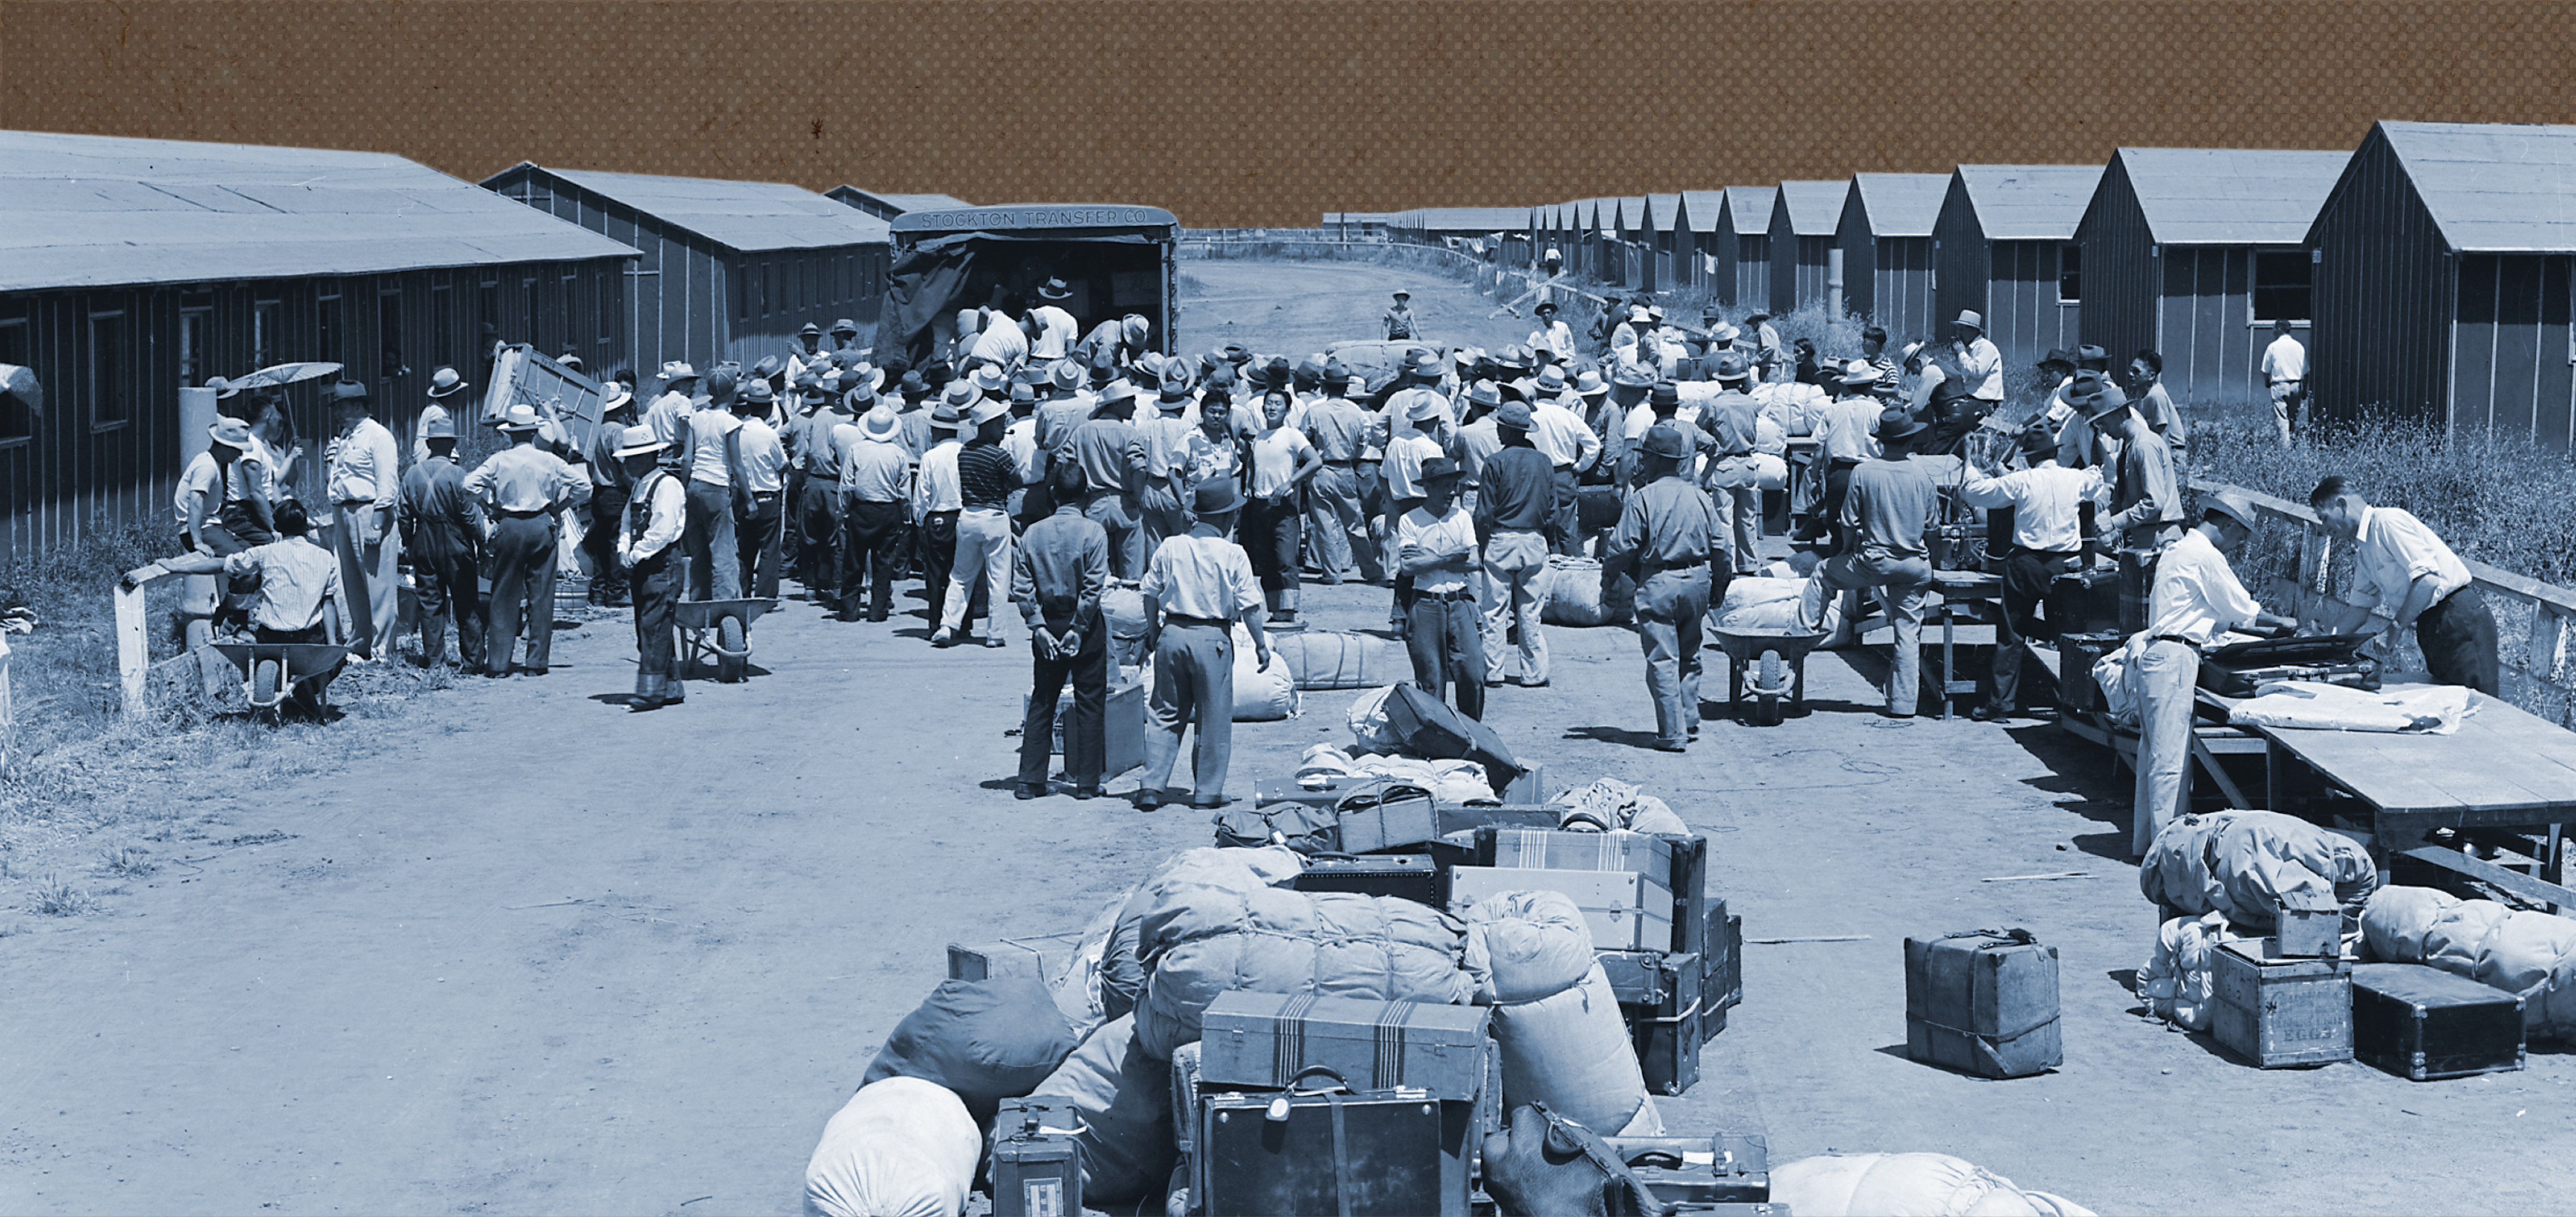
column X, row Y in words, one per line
column 1114, row 259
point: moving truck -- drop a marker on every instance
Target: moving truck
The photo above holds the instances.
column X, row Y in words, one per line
column 1116, row 260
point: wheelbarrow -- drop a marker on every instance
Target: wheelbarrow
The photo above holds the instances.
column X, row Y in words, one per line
column 271, row 671
column 1779, row 658
column 720, row 630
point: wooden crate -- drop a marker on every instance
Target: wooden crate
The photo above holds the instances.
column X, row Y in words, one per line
column 2278, row 1011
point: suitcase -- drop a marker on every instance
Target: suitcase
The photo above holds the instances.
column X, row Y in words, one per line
column 2235, row 670
column 1274, row 1040
column 1401, row 819
column 1661, row 983
column 1037, row 1167
column 1727, row 1168
column 1324, row 792
column 1039, row 957
column 1982, row 1002
column 1408, row 876
column 1400, row 1153
column 2423, row 1023
column 1679, row 863
column 1626, row 911
column 2279, row 1011
column 2084, row 601
column 1723, row 959
column 1668, row 1049
column 1434, row 730
column 2308, row 925
column 2076, row 655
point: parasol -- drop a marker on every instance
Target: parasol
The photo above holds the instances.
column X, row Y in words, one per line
column 21, row 383
column 285, row 374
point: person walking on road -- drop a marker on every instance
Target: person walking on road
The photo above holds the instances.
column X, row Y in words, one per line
column 520, row 488
column 1667, row 530
column 1515, row 491
column 365, row 482
column 656, row 512
column 711, row 457
column 1886, row 511
column 2401, row 566
column 1057, row 578
column 442, row 527
column 1196, row 588
column 986, row 475
column 2196, row 598
column 1435, row 546
column 1281, row 461
column 2285, row 371
column 2045, row 500
column 1398, row 321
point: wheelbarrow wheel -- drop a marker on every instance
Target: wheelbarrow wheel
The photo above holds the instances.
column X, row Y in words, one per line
column 264, row 677
column 1770, row 669
column 732, row 651
column 1770, row 689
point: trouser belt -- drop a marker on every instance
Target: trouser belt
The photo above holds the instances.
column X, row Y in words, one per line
column 539, row 514
column 1455, row 593
column 1173, row 619
column 2174, row 638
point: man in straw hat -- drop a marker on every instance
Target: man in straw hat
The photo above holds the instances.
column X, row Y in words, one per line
column 444, row 385
column 2196, row 599
column 2146, row 498
column 1058, row 575
column 1981, row 366
column 520, row 488
column 1570, row 445
column 219, row 506
column 1886, row 509
column 363, row 485
column 1667, row 531
column 2045, row 499
column 669, row 413
column 655, row 515
column 761, row 529
column 875, row 485
column 1111, row 455
column 1552, row 336
column 1196, row 588
column 1515, row 496
column 1056, row 328
column 1847, row 436
column 442, row 529
column 608, row 491
column 1398, row 321
column 986, row 475
column 1436, row 548
column 935, row 498
column 815, row 472
column 1163, row 509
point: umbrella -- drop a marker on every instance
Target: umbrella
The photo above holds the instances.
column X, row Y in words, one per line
column 21, row 383
column 285, row 374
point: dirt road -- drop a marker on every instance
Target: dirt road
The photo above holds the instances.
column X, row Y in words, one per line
column 539, row 954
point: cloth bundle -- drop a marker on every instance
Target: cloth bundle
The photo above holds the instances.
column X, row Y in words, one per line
column 2177, row 979
column 1191, row 874
column 1906, row 1185
column 2244, row 863
column 1325, row 660
column 1123, row 1098
column 1796, row 605
column 2418, row 709
column 1456, row 780
column 982, row 1040
column 1261, row 694
column 1556, row 1019
column 1610, row 805
column 1571, row 591
column 2530, row 954
column 901, row 1147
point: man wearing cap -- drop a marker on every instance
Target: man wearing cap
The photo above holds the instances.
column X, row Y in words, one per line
column 986, row 476
column 301, row 597
column 1981, row 366
column 937, row 499
column 1847, row 436
column 2045, row 500
column 1571, row 447
column 1341, row 533
column 1552, row 336
column 1112, row 457
column 761, row 529
column 1887, row 507
column 1162, row 511
column 1739, row 474
column 1666, row 533
column 519, row 489
column 2402, row 566
column 1398, row 321
column 1436, row 548
column 364, row 483
column 442, row 529
column 2196, row 599
column 1515, row 496
column 2146, row 497
column 443, row 384
column 711, row 460
column 656, row 513
column 2285, row 373
column 1196, row 588
column 219, row 506
column 875, row 485
column 1770, row 362
column 1058, row 575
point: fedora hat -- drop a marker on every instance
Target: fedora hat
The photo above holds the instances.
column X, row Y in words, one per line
column 1135, row 327
column 1515, row 415
column 2091, row 356
column 880, row 424
column 2095, row 399
column 1425, row 405
column 1732, row 366
column 1970, row 318
column 2055, row 355
column 1722, row 332
column 769, row 365
column 810, row 330
column 1023, row 394
column 1757, row 316
column 521, row 417
column 1428, row 365
column 1216, row 497
column 1897, row 425
column 1545, row 306
column 946, row 417
column 439, row 427
column 231, row 433
column 986, row 410
column 1667, row 441
column 1055, row 289
column 757, row 393
column 1355, row 385
column 912, row 385
column 1551, row 379
column 444, row 382
column 1438, row 468
column 677, row 371
column 1638, row 314
column 1065, row 374
column 638, row 440
column 1402, row 294
column 1633, row 377
column 1118, row 392
column 958, row 393
column 1590, row 385
column 2232, row 505
column 1174, row 380
column 349, row 391
column 989, row 379
column 845, row 326
column 617, row 401
column 1858, row 373
column 1483, row 393
column 1666, row 393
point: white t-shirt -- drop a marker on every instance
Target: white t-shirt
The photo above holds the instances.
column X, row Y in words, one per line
column 1274, row 460
column 2285, row 359
column 1452, row 533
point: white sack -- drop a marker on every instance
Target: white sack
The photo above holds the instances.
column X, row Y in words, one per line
column 1571, row 1052
column 901, row 1147
column 1905, row 1185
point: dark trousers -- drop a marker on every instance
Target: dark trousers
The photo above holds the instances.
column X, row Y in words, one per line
column 818, row 537
column 656, row 584
column 872, row 549
column 1269, row 532
column 1829, row 509
column 523, row 591
column 607, row 515
column 938, row 554
column 1084, row 755
column 1562, row 537
column 2458, row 638
column 1446, row 636
column 1373, row 561
column 756, row 540
column 1115, row 513
column 2027, row 574
column 451, row 587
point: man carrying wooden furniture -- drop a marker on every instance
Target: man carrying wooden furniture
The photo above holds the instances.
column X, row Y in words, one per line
column 2403, row 567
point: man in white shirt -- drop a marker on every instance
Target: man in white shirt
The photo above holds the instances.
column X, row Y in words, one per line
column 761, row 532
column 520, row 489
column 2046, row 542
column 1981, row 366
column 937, row 499
column 711, row 463
column 1197, row 587
column 1057, row 330
column 2196, row 599
column 2285, row 370
column 1272, row 530
column 1002, row 343
column 365, row 482
column 1571, row 447
column 1552, row 336
column 669, row 413
column 1847, row 434
column 1770, row 362
column 2401, row 566
column 1435, row 545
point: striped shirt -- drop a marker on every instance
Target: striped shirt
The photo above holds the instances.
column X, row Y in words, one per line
column 986, row 476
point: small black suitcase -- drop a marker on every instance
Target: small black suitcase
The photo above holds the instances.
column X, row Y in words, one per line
column 1668, row 1048
column 1037, row 1166
column 1723, row 960
column 1661, row 983
column 1397, row 1153
column 2084, row 601
column 1409, row 876
column 1738, row 1170
column 2423, row 1023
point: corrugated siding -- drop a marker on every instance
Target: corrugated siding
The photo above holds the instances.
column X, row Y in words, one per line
column 1960, row 266
column 2383, row 295
column 1798, row 269
column 1752, row 269
column 2123, row 285
column 1900, row 287
column 2512, row 380
column 2023, row 316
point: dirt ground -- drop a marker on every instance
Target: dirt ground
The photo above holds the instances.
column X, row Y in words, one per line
column 535, row 953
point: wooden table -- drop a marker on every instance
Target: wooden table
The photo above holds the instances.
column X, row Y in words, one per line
column 1958, row 593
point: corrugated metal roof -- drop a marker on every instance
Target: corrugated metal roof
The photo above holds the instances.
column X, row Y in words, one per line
column 2030, row 202
column 1666, row 210
column 1815, row 208
column 1750, row 208
column 1901, row 204
column 2230, row 196
column 1467, row 219
column 1700, row 208
column 924, row 202
column 747, row 216
column 2493, row 187
column 98, row 211
column 1632, row 213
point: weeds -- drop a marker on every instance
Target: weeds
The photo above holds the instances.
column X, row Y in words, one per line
column 56, row 898
column 127, row 862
